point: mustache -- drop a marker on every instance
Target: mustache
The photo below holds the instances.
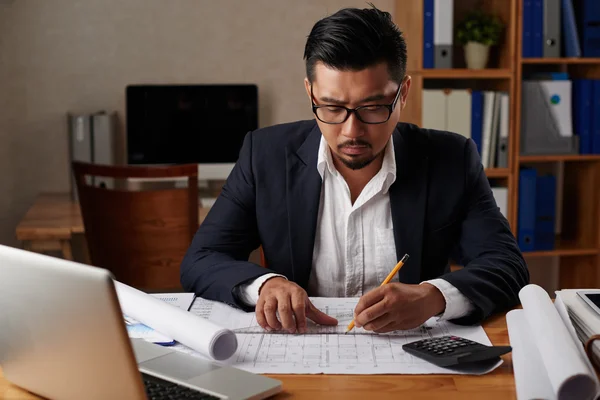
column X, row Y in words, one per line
column 356, row 142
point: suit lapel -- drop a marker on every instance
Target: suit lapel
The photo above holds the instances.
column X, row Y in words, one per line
column 303, row 192
column 408, row 201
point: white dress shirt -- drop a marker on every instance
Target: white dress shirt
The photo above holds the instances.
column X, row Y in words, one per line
column 354, row 246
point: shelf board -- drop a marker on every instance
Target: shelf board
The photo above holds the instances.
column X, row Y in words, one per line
column 564, row 248
column 560, row 60
column 463, row 73
column 559, row 157
column 497, row 172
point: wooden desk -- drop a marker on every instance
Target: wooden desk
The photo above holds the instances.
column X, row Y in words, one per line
column 499, row 384
column 53, row 220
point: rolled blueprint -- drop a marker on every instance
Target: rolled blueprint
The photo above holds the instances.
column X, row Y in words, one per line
column 548, row 363
column 200, row 334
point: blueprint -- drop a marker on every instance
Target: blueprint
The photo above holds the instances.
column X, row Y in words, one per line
column 326, row 349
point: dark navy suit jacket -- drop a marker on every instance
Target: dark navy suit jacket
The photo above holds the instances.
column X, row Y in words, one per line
column 441, row 204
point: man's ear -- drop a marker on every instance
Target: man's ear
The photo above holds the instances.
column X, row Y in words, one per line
column 405, row 90
column 307, row 87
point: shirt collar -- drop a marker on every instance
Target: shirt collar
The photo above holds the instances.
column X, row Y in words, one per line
column 388, row 167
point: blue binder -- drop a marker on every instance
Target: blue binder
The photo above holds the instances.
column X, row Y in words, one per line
column 569, row 28
column 582, row 114
column 588, row 20
column 527, row 216
column 537, row 43
column 545, row 212
column 527, row 37
column 595, row 131
column 477, row 118
column 428, row 9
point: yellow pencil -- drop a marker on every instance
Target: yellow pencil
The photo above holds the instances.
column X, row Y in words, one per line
column 385, row 282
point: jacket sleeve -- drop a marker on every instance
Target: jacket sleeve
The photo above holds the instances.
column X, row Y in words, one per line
column 217, row 259
column 494, row 268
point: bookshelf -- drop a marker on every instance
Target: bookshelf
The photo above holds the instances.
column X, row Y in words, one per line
column 460, row 73
column 565, row 60
column 577, row 247
column 559, row 157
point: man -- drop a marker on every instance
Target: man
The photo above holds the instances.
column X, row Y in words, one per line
column 335, row 202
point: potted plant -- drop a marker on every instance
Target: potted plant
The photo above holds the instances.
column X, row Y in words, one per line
column 477, row 33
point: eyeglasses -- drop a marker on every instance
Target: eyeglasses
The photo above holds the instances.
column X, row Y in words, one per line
column 369, row 114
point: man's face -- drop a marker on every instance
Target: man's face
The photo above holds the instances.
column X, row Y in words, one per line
column 353, row 142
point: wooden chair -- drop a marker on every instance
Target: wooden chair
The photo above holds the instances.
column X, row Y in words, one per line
column 140, row 236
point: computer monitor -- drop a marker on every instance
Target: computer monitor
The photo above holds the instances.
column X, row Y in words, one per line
column 176, row 124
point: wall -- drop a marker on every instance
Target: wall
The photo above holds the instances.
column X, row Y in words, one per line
column 68, row 55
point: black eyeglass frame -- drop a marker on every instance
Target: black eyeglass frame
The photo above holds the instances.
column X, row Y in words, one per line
column 390, row 108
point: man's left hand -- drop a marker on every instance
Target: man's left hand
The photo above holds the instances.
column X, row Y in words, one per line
column 398, row 306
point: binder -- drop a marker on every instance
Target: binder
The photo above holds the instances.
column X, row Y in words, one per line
column 488, row 113
column 537, row 42
column 552, row 34
column 569, row 27
column 595, row 139
column 588, row 20
column 549, row 76
column 545, row 212
column 477, row 118
column 503, row 131
column 80, row 143
column 443, row 33
column 582, row 114
column 103, row 143
column 501, row 196
column 494, row 131
column 428, row 33
column 527, row 216
column 80, row 137
column 434, row 109
column 558, row 100
column 458, row 111
column 546, row 122
column 527, row 34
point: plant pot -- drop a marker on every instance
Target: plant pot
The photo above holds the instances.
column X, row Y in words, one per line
column 476, row 55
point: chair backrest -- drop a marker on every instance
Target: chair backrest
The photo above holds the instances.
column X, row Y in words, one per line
column 140, row 236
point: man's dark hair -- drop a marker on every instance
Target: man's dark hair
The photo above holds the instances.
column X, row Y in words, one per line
column 354, row 39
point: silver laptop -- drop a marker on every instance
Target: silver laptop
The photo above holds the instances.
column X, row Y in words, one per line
column 62, row 336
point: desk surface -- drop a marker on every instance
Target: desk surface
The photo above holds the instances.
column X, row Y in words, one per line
column 499, row 384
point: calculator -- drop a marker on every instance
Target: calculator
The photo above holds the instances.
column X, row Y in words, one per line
column 446, row 351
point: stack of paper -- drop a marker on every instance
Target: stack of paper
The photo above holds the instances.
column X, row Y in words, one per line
column 549, row 361
column 585, row 320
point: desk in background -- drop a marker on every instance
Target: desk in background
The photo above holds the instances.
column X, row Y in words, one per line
column 53, row 221
column 498, row 384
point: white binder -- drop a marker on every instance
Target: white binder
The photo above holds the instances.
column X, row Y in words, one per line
column 443, row 33
column 434, row 109
column 458, row 104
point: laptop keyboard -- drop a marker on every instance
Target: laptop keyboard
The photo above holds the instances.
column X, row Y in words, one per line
column 160, row 389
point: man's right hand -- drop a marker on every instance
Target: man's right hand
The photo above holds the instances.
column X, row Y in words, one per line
column 291, row 301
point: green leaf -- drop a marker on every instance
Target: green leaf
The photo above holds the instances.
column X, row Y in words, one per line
column 480, row 27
